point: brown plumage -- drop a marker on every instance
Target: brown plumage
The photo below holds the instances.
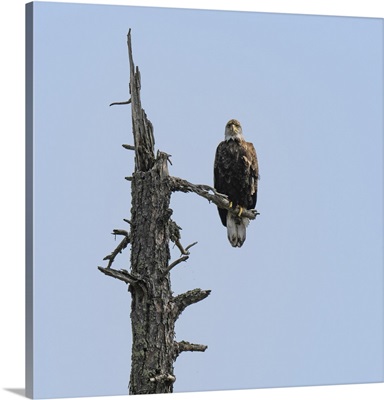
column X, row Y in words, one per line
column 236, row 174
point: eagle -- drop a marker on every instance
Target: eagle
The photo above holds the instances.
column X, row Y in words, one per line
column 236, row 173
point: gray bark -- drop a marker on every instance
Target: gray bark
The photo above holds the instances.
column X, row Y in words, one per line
column 154, row 310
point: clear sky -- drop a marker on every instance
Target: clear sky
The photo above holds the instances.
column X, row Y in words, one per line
column 301, row 302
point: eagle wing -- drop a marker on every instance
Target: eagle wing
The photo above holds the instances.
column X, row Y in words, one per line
column 236, row 173
column 221, row 176
column 221, row 168
column 250, row 159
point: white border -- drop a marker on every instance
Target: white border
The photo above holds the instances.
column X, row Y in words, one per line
column 12, row 189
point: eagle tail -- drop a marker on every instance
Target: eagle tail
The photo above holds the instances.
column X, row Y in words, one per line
column 236, row 229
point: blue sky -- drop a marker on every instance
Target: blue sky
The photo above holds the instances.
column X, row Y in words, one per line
column 301, row 302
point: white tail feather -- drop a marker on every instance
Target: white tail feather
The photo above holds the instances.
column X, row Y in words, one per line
column 236, row 229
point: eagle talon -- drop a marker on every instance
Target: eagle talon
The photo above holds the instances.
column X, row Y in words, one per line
column 230, row 204
column 240, row 211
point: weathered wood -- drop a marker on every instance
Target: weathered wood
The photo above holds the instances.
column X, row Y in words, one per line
column 151, row 316
column 144, row 141
column 154, row 310
column 120, row 247
column 221, row 200
column 122, row 275
column 182, row 301
column 186, row 346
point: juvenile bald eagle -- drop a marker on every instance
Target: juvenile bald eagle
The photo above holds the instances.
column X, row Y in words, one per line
column 236, row 173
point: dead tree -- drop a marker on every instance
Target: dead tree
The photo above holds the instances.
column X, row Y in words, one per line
column 154, row 310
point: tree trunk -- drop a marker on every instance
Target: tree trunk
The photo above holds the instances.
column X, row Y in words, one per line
column 153, row 309
column 152, row 306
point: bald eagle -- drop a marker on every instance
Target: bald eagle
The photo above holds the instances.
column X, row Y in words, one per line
column 236, row 173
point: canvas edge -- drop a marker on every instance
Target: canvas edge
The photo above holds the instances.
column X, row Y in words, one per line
column 29, row 200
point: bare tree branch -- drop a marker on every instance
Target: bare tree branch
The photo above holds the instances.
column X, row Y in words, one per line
column 182, row 301
column 189, row 246
column 122, row 232
column 128, row 147
column 175, row 236
column 221, row 200
column 120, row 103
column 186, row 346
column 122, row 275
column 121, row 246
column 178, row 261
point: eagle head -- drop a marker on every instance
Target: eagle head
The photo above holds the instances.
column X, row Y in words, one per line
column 233, row 130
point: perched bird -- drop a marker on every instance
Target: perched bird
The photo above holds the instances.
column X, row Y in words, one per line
column 236, row 173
